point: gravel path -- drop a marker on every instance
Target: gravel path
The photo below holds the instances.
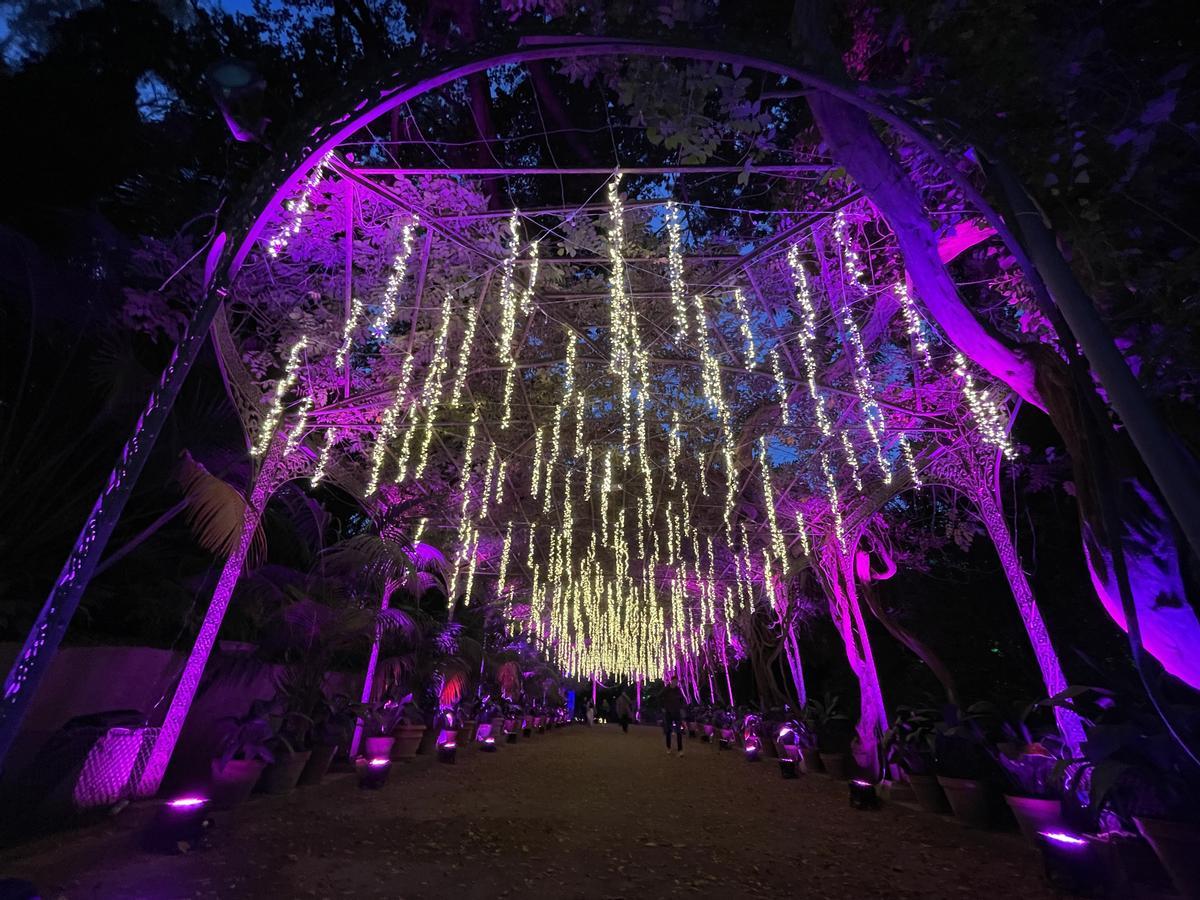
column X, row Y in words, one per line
column 572, row 813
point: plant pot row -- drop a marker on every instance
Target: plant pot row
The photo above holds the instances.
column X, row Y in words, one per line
column 233, row 783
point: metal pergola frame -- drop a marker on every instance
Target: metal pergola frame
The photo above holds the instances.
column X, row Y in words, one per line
column 280, row 179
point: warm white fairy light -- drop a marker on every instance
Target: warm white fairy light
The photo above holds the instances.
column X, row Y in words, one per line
column 489, row 472
column 781, row 391
column 851, row 459
column 356, row 311
column 835, row 503
column 501, row 474
column 988, row 414
column 502, row 578
column 464, row 356
column 510, row 301
column 383, row 322
column 739, row 304
column 472, row 563
column 587, row 477
column 282, row 386
column 323, row 458
column 702, row 465
column 769, row 580
column 673, row 220
column 427, row 400
column 872, row 414
column 296, row 435
column 387, row 425
column 808, row 338
column 778, row 547
column 802, row 530
column 539, row 438
column 621, row 356
column 298, row 207
column 912, row 319
column 420, row 532
column 909, row 462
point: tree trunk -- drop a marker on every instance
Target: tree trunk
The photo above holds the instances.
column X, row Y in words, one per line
column 922, row 650
column 265, row 483
column 1170, row 627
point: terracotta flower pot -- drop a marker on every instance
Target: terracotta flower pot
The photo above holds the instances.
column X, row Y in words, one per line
column 408, row 739
column 281, row 776
column 318, row 765
column 929, row 793
column 1177, row 845
column 232, row 784
column 1035, row 815
column 378, row 747
column 971, row 800
column 466, row 734
column 835, row 764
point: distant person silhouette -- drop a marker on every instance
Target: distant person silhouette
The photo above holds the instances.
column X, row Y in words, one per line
column 671, row 700
column 624, row 710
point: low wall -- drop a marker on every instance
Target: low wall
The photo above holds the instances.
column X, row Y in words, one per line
column 85, row 680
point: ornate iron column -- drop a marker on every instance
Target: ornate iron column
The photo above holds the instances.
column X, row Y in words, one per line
column 55, row 617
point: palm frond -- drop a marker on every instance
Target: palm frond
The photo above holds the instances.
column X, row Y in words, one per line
column 216, row 511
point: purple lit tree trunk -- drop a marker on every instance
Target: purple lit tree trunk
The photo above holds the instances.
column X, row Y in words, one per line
column 368, row 689
column 792, row 648
column 837, row 569
column 270, row 476
column 1170, row 627
column 975, row 472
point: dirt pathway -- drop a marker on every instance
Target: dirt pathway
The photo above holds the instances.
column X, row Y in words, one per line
column 573, row 813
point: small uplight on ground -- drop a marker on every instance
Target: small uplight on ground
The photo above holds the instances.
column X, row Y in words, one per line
column 1071, row 863
column 373, row 773
column 863, row 795
column 179, row 826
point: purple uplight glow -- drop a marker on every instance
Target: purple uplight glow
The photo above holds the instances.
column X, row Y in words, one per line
column 860, row 783
column 379, row 762
column 187, row 802
column 1061, row 837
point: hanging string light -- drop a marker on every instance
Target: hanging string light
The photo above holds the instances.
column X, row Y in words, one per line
column 510, row 301
column 323, row 458
column 427, row 400
column 739, row 304
column 909, row 462
column 383, row 322
column 678, row 289
column 539, row 437
column 282, row 386
column 872, row 414
column 778, row 547
column 835, row 503
column 988, row 414
column 781, row 391
column 356, row 311
column 802, row 529
column 464, row 356
column 296, row 435
column 912, row 319
column 420, row 532
column 387, row 426
column 502, row 578
column 298, row 207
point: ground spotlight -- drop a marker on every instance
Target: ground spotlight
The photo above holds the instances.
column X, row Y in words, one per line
column 373, row 773
column 863, row 795
column 179, row 825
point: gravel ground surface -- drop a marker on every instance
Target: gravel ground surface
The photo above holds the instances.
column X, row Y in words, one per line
column 572, row 813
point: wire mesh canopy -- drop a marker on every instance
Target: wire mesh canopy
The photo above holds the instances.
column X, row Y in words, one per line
column 630, row 364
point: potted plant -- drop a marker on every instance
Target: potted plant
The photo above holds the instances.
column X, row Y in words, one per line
column 287, row 745
column 833, row 731
column 244, row 753
column 331, row 730
column 1033, row 776
column 409, row 730
column 908, row 748
column 964, row 762
column 380, row 721
column 1136, row 776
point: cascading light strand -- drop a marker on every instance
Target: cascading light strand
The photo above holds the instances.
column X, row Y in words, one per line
column 872, row 414
column 298, row 207
column 739, row 305
column 778, row 547
column 282, row 386
column 835, row 503
column 502, row 578
column 464, row 356
column 675, row 280
column 387, row 426
column 323, row 458
column 296, row 435
column 781, row 391
column 989, row 419
column 912, row 320
column 909, row 462
column 356, row 311
column 802, row 529
column 387, row 312
column 428, row 399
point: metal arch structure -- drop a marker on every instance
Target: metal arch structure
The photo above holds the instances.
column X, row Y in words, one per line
column 306, row 146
